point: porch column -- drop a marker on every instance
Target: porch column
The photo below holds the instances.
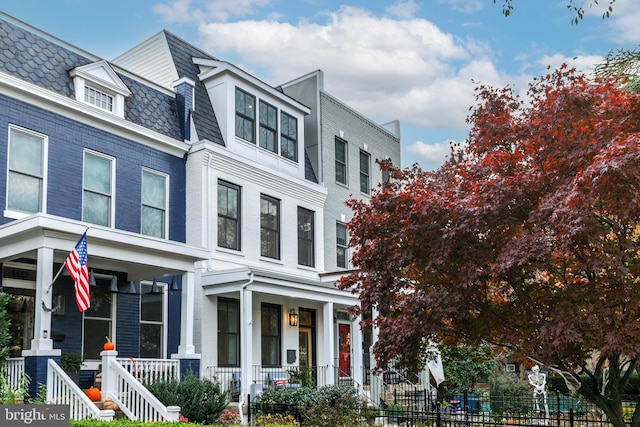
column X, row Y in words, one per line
column 246, row 340
column 329, row 343
column 356, row 352
column 189, row 359
column 35, row 359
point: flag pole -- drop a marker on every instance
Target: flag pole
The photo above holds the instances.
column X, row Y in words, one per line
column 55, row 278
column 60, row 271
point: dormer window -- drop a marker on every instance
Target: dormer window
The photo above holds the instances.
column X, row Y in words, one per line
column 98, row 98
column 97, row 84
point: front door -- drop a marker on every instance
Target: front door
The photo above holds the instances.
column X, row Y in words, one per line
column 305, row 349
column 344, row 350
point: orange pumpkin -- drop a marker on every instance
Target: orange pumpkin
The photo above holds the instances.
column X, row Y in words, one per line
column 110, row 404
column 108, row 345
column 93, row 394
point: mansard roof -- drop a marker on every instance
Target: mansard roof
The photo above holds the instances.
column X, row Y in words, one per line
column 204, row 118
column 41, row 61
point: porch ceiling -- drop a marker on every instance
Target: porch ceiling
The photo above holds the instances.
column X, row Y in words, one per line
column 141, row 257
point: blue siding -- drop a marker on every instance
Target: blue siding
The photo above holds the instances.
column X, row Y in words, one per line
column 67, row 139
column 68, row 325
column 128, row 325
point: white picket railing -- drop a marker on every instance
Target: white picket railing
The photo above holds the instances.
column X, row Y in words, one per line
column 149, row 371
column 63, row 391
column 134, row 400
column 14, row 369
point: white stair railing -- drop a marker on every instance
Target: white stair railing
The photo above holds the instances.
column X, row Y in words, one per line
column 62, row 390
column 134, row 400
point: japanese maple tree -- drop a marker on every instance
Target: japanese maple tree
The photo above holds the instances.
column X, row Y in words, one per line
column 528, row 238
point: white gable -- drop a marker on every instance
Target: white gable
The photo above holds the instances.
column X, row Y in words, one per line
column 100, row 73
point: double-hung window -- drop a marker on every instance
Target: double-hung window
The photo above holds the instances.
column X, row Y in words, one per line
column 228, row 215
column 154, row 204
column 341, row 161
column 151, row 322
column 341, row 245
column 98, row 320
column 97, row 195
column 25, row 185
column 271, row 329
column 269, row 227
column 288, row 136
column 245, row 115
column 268, row 127
column 365, row 172
column 228, row 332
column 306, row 255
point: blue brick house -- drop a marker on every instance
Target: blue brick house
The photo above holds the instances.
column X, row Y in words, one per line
column 87, row 146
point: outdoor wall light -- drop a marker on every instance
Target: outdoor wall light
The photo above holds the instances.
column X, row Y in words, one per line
column 293, row 317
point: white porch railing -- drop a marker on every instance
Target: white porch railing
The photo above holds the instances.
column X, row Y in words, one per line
column 134, row 400
column 63, row 391
column 149, row 371
column 13, row 370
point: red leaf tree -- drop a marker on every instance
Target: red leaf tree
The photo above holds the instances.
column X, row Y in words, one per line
column 528, row 238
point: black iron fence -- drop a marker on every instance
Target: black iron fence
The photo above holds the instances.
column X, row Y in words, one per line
column 454, row 410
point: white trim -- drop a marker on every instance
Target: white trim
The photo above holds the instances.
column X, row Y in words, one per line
column 45, row 161
column 164, row 287
column 112, row 195
column 112, row 327
column 211, row 68
column 68, row 107
column 167, row 203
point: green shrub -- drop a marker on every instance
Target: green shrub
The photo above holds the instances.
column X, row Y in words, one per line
column 305, row 396
column 328, row 406
column 200, row 400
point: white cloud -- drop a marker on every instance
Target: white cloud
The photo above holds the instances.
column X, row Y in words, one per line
column 183, row 11
column 431, row 156
column 403, row 9
column 584, row 64
column 378, row 65
column 222, row 10
column 178, row 11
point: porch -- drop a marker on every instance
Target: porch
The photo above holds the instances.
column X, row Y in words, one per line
column 121, row 380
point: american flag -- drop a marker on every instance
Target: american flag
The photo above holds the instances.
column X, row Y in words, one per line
column 78, row 268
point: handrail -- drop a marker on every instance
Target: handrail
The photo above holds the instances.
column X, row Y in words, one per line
column 62, row 390
column 134, row 400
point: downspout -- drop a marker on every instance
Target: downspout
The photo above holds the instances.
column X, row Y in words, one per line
column 245, row 336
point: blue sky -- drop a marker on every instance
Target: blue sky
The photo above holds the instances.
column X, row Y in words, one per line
column 410, row 60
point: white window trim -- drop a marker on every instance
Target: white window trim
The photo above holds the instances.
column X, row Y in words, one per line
column 166, row 198
column 90, row 75
column 279, row 110
column 112, row 208
column 165, row 314
column 9, row 213
column 92, row 364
